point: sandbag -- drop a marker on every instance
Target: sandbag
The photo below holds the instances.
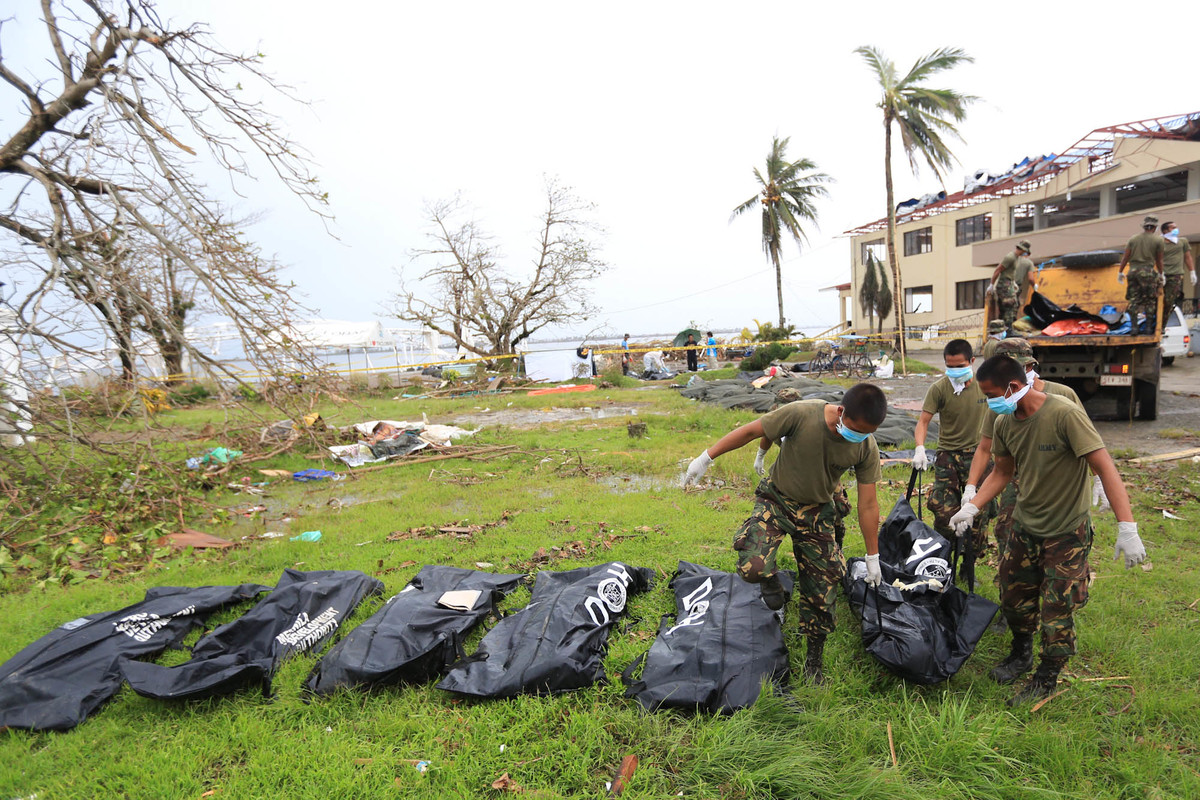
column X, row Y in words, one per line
column 557, row 642
column 58, row 681
column 414, row 637
column 925, row 631
column 719, row 648
column 301, row 613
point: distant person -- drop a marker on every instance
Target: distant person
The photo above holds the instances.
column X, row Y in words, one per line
column 1144, row 255
column 711, row 350
column 1177, row 254
column 1051, row 443
column 1010, row 282
column 626, row 358
column 996, row 333
column 818, row 441
column 653, row 361
column 693, row 353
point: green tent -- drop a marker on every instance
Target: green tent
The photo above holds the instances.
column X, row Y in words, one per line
column 681, row 337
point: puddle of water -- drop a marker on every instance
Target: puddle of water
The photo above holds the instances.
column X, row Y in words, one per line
column 626, row 484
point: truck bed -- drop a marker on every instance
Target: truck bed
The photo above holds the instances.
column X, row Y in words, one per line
column 1095, row 341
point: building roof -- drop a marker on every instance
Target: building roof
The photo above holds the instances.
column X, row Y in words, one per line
column 1097, row 147
column 840, row 287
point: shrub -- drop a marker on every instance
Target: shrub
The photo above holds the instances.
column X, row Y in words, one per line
column 764, row 355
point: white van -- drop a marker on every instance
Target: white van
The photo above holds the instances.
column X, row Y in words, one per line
column 1175, row 337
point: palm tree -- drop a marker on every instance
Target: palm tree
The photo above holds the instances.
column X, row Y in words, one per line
column 786, row 196
column 868, row 293
column 923, row 116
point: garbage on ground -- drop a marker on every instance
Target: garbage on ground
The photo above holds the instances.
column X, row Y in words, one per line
column 308, row 475
column 307, row 536
column 198, row 540
column 385, row 439
column 422, row 766
column 220, row 455
column 285, row 430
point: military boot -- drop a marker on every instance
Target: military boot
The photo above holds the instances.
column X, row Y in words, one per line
column 1041, row 684
column 1019, row 660
column 814, row 664
column 772, row 592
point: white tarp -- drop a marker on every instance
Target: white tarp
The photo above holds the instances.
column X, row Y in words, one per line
column 556, row 365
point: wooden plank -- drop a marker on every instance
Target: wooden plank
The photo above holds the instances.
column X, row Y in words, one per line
column 1178, row 454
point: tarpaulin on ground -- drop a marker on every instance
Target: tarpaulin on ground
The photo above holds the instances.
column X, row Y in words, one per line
column 417, row 634
column 917, row 623
column 557, row 642
column 59, row 680
column 722, row 644
column 301, row 613
column 897, row 427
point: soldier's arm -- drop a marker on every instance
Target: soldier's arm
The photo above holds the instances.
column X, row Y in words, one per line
column 922, row 428
column 979, row 461
column 1189, row 260
column 1158, row 257
column 1102, row 464
column 738, row 437
column 764, row 444
column 868, row 516
column 1124, row 260
column 1001, row 474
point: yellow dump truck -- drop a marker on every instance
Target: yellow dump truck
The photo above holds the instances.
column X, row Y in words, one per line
column 1125, row 368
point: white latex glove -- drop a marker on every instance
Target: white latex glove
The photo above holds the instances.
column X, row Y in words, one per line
column 760, row 465
column 961, row 522
column 968, row 493
column 697, row 468
column 1162, row 279
column 874, row 576
column 920, row 460
column 1120, row 277
column 1193, row 274
column 1099, row 498
column 1129, row 544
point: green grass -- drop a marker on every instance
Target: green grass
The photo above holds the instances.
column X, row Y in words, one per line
column 955, row 740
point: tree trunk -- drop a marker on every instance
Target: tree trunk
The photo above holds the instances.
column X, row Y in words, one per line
column 897, row 286
column 779, row 287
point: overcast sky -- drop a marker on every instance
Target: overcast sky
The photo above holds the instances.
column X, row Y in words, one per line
column 657, row 112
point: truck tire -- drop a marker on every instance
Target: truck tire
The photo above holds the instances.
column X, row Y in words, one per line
column 1168, row 360
column 1147, row 394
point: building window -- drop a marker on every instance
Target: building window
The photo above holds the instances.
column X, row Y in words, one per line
column 1022, row 218
column 918, row 300
column 1080, row 208
column 917, row 242
column 970, row 295
column 973, row 229
column 1152, row 192
column 875, row 247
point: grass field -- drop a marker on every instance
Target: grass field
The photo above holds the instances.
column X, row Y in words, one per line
column 1135, row 735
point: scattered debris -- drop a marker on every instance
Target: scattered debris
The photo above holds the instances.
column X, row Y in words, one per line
column 458, row 530
column 1168, row 515
column 506, row 784
column 275, row 473
column 620, row 781
column 190, row 537
column 308, row 475
column 307, row 536
column 636, row 430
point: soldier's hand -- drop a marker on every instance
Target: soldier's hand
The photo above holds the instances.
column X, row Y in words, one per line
column 1099, row 498
column 1162, row 279
column 760, row 464
column 961, row 522
column 1120, row 276
column 920, row 460
column 1129, row 544
column 874, row 576
column 968, row 493
column 697, row 468
column 1193, row 274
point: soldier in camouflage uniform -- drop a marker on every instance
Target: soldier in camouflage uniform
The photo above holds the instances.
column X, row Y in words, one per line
column 1043, row 575
column 1144, row 255
column 960, row 407
column 818, row 442
column 1010, row 282
column 1177, row 254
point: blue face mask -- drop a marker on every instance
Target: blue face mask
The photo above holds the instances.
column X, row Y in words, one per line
column 1007, row 404
column 959, row 374
column 853, row 437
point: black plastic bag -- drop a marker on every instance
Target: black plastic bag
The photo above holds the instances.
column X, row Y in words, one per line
column 557, row 642
column 721, row 645
column 397, row 446
column 925, row 633
column 59, row 680
column 413, row 638
column 301, row 612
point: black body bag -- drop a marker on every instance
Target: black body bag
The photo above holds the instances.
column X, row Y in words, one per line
column 301, row 612
column 415, row 636
column 723, row 643
column 557, row 642
column 58, row 681
column 922, row 634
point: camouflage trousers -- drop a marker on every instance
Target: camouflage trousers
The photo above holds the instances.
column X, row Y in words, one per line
column 951, row 469
column 1142, row 294
column 819, row 560
column 1007, row 300
column 1051, row 573
column 1172, row 294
